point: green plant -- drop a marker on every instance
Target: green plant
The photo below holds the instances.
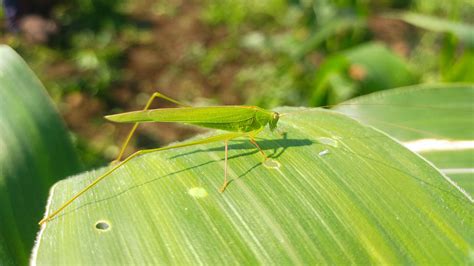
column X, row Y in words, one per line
column 360, row 70
column 35, row 152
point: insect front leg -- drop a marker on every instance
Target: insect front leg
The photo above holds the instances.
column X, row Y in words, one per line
column 226, row 183
column 134, row 128
column 252, row 140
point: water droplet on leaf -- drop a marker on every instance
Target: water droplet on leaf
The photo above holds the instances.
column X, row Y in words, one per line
column 325, row 152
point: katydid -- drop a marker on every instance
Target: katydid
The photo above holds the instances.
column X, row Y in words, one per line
column 239, row 121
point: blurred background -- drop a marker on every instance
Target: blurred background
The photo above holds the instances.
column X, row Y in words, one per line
column 98, row 57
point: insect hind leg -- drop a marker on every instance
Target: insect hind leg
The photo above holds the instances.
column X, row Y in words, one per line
column 134, row 128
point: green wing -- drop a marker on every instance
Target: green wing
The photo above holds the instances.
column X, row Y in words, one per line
column 190, row 115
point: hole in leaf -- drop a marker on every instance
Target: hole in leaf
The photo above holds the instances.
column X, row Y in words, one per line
column 102, row 226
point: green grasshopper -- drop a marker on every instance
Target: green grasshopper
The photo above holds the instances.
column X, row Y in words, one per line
column 239, row 121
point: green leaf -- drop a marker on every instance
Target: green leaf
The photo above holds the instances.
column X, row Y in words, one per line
column 35, row 152
column 360, row 70
column 437, row 121
column 464, row 32
column 462, row 69
column 326, row 32
column 344, row 193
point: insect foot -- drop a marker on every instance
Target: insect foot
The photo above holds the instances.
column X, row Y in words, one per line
column 271, row 163
column 222, row 189
column 114, row 162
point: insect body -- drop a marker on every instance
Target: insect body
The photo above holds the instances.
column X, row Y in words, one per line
column 239, row 121
column 229, row 118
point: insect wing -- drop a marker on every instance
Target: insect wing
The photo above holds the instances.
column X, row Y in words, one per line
column 191, row 115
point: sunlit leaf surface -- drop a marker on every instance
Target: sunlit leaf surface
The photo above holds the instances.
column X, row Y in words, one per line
column 343, row 193
column 436, row 121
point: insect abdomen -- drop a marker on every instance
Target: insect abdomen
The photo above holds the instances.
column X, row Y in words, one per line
column 241, row 126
